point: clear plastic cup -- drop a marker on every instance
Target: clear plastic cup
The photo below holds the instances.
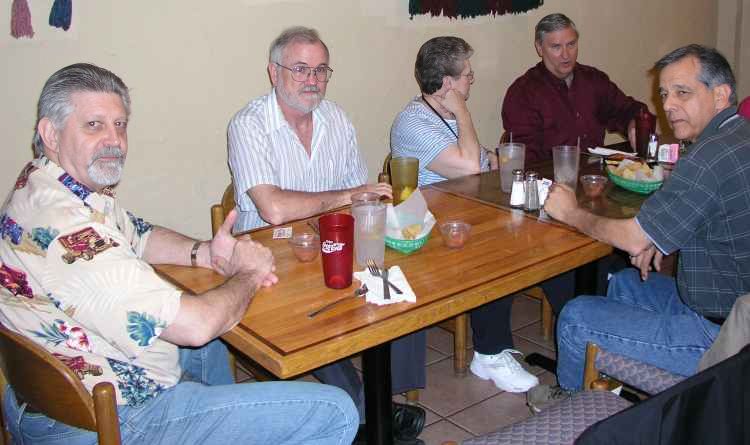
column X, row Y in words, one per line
column 305, row 246
column 565, row 161
column 369, row 232
column 511, row 156
column 404, row 175
column 365, row 198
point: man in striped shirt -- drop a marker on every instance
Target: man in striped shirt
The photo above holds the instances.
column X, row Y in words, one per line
column 293, row 155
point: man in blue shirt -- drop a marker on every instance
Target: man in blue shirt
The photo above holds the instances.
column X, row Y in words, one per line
column 703, row 211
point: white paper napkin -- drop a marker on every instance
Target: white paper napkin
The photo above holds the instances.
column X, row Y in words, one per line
column 375, row 287
column 411, row 211
column 601, row 151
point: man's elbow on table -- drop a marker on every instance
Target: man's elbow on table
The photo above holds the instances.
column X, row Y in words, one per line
column 272, row 214
column 271, row 207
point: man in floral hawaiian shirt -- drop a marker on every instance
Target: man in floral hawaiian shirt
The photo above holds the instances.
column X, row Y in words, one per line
column 75, row 277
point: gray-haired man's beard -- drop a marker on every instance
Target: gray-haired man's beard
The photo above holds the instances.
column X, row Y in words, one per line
column 105, row 173
column 294, row 102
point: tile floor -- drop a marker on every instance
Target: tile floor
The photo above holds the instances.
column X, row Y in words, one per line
column 462, row 407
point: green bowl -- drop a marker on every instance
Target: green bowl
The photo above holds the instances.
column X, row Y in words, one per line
column 642, row 187
column 406, row 246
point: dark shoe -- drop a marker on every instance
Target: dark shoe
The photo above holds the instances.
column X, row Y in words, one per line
column 408, row 423
column 541, row 397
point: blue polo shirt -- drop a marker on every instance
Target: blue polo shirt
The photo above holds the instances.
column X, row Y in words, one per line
column 703, row 211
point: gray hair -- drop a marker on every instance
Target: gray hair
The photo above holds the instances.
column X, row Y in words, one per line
column 440, row 57
column 294, row 34
column 715, row 70
column 54, row 102
column 551, row 23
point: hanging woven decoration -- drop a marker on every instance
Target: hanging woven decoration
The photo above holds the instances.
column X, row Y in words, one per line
column 20, row 20
column 61, row 14
column 471, row 8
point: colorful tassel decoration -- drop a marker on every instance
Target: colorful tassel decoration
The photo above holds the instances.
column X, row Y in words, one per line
column 61, row 14
column 471, row 8
column 20, row 20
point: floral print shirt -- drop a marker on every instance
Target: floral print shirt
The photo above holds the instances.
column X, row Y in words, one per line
column 72, row 278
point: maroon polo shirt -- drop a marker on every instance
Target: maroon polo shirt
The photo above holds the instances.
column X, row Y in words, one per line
column 541, row 111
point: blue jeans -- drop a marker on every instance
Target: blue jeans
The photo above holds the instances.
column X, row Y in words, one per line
column 646, row 321
column 211, row 410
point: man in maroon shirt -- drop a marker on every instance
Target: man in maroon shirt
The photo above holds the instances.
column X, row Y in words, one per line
column 558, row 100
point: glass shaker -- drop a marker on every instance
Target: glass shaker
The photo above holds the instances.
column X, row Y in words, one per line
column 517, row 192
column 531, row 203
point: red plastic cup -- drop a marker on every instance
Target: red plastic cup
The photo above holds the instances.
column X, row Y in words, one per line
column 337, row 247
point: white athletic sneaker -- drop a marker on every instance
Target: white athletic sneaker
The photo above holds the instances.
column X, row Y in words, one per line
column 504, row 370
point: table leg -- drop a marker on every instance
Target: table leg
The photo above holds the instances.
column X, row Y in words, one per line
column 376, row 369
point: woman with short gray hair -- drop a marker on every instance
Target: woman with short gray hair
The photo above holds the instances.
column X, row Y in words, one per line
column 436, row 127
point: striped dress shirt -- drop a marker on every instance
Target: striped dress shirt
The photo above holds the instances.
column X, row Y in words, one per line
column 420, row 133
column 264, row 149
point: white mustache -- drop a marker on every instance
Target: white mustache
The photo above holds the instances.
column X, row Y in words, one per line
column 108, row 152
column 310, row 89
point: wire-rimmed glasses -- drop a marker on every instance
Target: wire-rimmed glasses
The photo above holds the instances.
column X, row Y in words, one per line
column 301, row 73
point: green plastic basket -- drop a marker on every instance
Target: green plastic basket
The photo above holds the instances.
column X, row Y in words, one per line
column 406, row 246
column 642, row 187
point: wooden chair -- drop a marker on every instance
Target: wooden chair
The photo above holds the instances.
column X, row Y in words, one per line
column 4, row 435
column 220, row 211
column 52, row 388
column 639, row 375
column 459, row 325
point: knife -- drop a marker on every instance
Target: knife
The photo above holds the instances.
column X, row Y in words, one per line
column 386, row 289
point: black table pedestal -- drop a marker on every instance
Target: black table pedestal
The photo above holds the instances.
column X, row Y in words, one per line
column 376, row 367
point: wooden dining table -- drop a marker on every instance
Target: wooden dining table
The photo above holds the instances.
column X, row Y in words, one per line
column 507, row 251
column 614, row 202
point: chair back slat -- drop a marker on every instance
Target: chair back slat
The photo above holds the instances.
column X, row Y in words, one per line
column 220, row 211
column 387, row 164
column 45, row 382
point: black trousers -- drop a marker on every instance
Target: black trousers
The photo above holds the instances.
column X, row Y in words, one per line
column 491, row 322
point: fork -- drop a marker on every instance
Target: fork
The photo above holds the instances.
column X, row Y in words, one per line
column 357, row 293
column 375, row 272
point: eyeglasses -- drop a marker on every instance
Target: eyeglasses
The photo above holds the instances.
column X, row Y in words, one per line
column 469, row 75
column 301, row 73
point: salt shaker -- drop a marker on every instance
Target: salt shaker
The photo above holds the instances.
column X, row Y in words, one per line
column 531, row 202
column 517, row 192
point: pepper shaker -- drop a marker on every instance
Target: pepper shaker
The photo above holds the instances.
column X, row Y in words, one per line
column 531, row 202
column 517, row 192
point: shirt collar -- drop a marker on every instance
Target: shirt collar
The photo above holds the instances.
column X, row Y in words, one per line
column 80, row 190
column 277, row 116
column 551, row 78
column 713, row 127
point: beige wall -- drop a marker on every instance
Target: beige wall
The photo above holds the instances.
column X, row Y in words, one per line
column 191, row 64
column 733, row 39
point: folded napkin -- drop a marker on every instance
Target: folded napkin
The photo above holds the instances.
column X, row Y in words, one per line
column 375, row 287
column 601, row 151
